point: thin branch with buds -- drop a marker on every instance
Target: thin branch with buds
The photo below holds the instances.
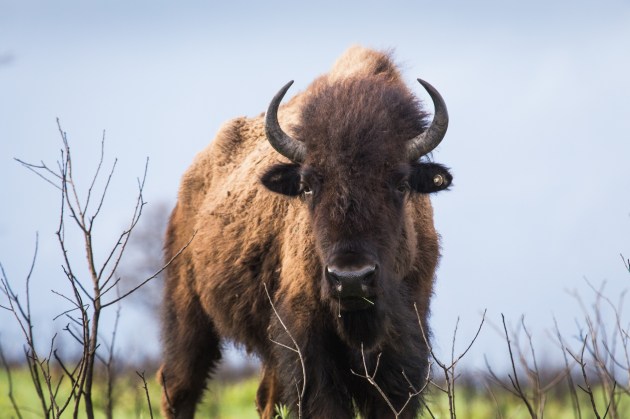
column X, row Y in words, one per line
column 370, row 377
column 449, row 370
column 296, row 349
column 146, row 391
column 515, row 386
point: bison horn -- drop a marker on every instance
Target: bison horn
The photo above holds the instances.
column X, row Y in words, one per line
column 428, row 140
column 290, row 148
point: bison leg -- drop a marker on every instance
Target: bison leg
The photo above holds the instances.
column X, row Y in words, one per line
column 267, row 394
column 191, row 351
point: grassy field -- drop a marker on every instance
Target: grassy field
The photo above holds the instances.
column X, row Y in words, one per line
column 235, row 400
column 229, row 400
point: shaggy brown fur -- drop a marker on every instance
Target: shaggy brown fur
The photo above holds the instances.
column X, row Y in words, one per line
column 353, row 200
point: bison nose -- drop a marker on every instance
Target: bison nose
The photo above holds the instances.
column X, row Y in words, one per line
column 351, row 283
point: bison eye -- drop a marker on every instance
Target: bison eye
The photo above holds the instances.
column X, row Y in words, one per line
column 306, row 189
column 403, row 187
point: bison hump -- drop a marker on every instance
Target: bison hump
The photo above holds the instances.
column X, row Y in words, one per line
column 359, row 62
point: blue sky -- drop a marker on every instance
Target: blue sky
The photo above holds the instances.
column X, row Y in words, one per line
column 538, row 93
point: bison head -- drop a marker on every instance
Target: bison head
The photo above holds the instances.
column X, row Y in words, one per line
column 355, row 164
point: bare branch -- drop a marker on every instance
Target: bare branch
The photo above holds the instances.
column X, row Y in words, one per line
column 515, row 381
column 588, row 390
column 449, row 370
column 297, row 350
column 370, row 378
column 109, row 368
column 37, row 168
column 123, row 238
column 155, row 275
column 14, row 404
column 611, row 401
column 146, row 391
column 95, row 177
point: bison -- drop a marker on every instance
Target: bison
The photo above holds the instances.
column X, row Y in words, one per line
column 308, row 240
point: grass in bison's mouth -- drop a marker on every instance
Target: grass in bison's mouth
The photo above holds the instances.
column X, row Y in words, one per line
column 355, row 304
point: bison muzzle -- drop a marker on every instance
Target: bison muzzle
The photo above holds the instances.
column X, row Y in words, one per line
column 313, row 247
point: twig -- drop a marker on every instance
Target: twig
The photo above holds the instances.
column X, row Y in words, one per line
column 574, row 398
column 370, row 378
column 123, row 238
column 109, row 368
column 16, row 408
column 611, row 401
column 155, row 275
column 22, row 315
column 588, row 390
column 449, row 370
column 514, row 380
column 146, row 391
column 95, row 177
column 494, row 398
column 35, row 169
column 297, row 350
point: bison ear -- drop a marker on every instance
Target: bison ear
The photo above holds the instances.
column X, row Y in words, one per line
column 429, row 177
column 283, row 179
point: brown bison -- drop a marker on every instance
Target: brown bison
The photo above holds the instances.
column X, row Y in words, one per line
column 313, row 239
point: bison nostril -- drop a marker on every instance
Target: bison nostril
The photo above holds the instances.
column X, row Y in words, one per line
column 368, row 278
column 351, row 282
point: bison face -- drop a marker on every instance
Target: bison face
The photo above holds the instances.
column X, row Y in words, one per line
column 360, row 226
column 355, row 169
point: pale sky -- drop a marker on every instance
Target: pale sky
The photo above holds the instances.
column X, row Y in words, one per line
column 538, row 95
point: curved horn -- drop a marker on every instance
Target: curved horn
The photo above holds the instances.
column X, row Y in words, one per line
column 428, row 140
column 290, row 148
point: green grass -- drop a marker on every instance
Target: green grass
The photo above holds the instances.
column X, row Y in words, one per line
column 227, row 401
column 236, row 401
column 479, row 404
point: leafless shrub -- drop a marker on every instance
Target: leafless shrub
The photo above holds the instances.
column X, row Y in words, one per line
column 370, row 378
column 448, row 369
column 600, row 351
column 89, row 294
column 533, row 393
column 603, row 352
column 568, row 365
